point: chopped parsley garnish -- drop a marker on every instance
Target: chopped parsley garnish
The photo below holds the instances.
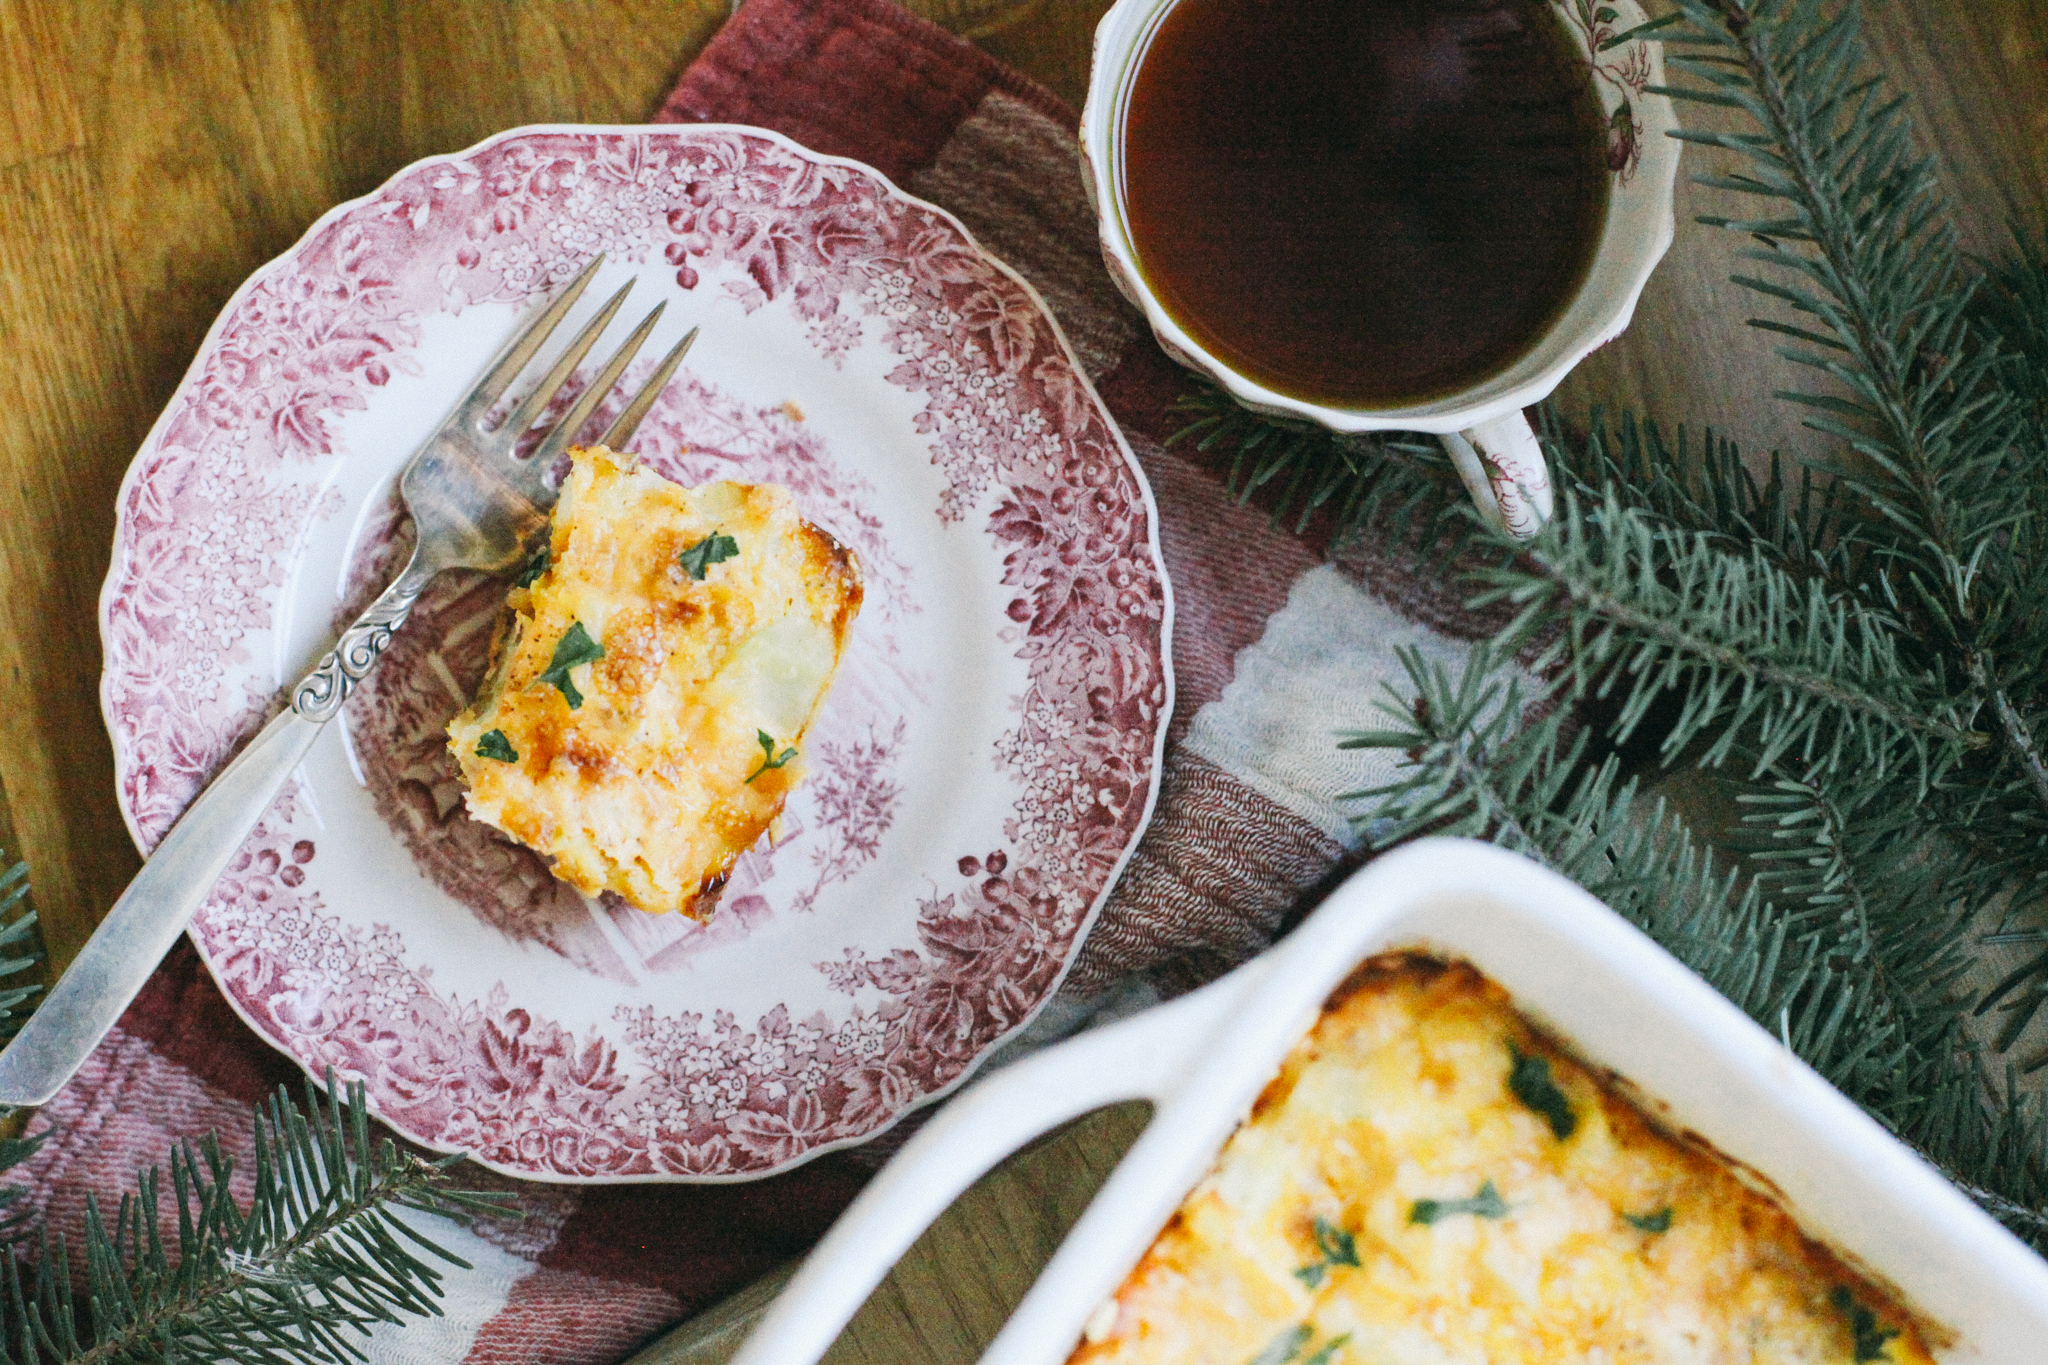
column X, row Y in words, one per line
column 769, row 758
column 1485, row 1204
column 1529, row 1079
column 1863, row 1326
column 1327, row 1352
column 713, row 549
column 1334, row 1247
column 495, row 745
column 1285, row 1347
column 1660, row 1221
column 574, row 649
column 535, row 567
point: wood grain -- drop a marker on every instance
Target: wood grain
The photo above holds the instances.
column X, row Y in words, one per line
column 1978, row 81
column 939, row 1303
column 153, row 154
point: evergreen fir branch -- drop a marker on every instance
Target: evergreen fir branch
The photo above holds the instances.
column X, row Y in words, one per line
column 1476, row 770
column 1301, row 469
column 1756, row 655
column 1864, row 244
column 1473, row 764
column 2012, row 308
column 1886, row 901
column 1996, row 1153
column 2030, row 1224
column 2012, row 311
column 1866, row 643
column 1842, row 958
column 1708, row 488
column 18, row 954
column 2018, row 732
column 319, row 1257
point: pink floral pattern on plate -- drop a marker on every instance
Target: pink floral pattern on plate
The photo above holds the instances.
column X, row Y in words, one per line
column 979, row 774
column 398, row 723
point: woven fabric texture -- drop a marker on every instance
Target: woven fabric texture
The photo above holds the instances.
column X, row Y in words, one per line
column 1275, row 644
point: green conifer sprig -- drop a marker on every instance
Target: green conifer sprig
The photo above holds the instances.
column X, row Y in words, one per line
column 1945, row 372
column 320, row 1255
column 1861, row 242
column 1476, row 769
column 1844, row 947
column 1298, row 469
column 1758, row 656
column 18, row 954
column 1803, row 526
column 1860, row 645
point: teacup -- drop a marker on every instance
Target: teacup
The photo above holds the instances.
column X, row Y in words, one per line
column 1481, row 424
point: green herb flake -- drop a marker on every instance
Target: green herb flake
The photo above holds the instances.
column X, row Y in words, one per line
column 1485, row 1204
column 1285, row 1347
column 573, row 650
column 713, row 549
column 495, row 745
column 1334, row 1247
column 1660, row 1221
column 1328, row 1351
column 535, row 567
column 769, row 758
column 1869, row 1336
column 1529, row 1079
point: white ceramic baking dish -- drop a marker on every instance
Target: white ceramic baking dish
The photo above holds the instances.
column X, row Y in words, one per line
column 1573, row 966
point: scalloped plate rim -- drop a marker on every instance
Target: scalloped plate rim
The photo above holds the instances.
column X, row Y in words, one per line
column 263, row 272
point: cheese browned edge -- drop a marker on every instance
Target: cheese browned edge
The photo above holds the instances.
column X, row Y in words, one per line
column 1392, row 1199
column 655, row 784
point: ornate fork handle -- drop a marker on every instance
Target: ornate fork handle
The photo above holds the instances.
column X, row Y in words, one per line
column 482, row 505
column 320, row 694
column 181, row 872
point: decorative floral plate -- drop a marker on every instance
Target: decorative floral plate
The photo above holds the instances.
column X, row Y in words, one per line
column 978, row 774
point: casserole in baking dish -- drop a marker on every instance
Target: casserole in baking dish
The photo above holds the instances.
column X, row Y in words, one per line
column 1428, row 1178
column 1575, row 970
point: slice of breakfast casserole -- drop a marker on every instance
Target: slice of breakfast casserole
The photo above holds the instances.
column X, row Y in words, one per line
column 643, row 720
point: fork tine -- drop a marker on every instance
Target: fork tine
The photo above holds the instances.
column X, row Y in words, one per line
column 586, row 403
column 628, row 421
column 515, row 354
column 565, row 365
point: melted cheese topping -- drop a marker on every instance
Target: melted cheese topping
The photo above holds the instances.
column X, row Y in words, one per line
column 655, row 783
column 1349, row 1219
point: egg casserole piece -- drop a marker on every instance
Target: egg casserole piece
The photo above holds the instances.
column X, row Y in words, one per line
column 1427, row 1180
column 643, row 719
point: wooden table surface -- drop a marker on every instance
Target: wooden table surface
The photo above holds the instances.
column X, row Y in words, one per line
column 153, row 154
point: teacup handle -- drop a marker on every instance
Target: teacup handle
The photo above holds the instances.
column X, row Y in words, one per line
column 1502, row 465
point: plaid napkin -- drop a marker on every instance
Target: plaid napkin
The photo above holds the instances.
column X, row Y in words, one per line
column 1276, row 645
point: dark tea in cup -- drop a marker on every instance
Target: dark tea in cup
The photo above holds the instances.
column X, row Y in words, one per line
column 1364, row 203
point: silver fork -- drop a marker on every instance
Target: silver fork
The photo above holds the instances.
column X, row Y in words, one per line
column 475, row 505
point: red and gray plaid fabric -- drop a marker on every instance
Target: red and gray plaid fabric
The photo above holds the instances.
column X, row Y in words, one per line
column 1276, row 646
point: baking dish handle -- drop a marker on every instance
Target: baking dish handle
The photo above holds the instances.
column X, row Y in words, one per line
column 1140, row 1058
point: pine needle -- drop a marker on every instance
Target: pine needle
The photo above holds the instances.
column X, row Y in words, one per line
column 320, row 1256
column 1856, row 645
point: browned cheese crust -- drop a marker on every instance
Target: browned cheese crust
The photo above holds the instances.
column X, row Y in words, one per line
column 656, row 779
column 1395, row 1199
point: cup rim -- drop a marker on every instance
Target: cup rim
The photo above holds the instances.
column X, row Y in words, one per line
column 1120, row 40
